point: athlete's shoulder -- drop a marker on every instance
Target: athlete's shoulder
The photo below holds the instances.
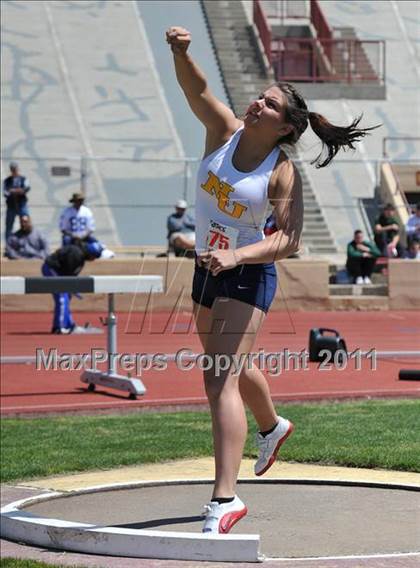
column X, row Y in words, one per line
column 285, row 172
column 216, row 140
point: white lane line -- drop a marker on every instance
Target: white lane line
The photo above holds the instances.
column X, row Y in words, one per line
column 203, row 400
column 406, row 37
column 73, row 406
column 158, row 83
column 311, row 559
column 79, row 120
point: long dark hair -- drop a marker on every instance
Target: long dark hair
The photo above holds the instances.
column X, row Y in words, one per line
column 333, row 137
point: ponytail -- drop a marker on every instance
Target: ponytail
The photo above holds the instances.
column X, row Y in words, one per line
column 335, row 137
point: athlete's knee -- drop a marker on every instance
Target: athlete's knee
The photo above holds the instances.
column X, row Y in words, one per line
column 216, row 384
column 245, row 374
column 212, row 385
column 249, row 372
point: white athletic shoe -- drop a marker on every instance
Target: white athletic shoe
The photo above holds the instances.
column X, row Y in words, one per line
column 220, row 518
column 107, row 253
column 270, row 445
column 359, row 280
column 367, row 280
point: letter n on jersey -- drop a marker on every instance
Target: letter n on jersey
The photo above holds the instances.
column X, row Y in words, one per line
column 221, row 190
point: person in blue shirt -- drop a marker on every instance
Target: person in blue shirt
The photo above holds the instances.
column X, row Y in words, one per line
column 15, row 190
column 28, row 242
column 67, row 261
column 181, row 229
column 413, row 250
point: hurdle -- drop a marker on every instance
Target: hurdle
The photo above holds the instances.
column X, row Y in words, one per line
column 110, row 285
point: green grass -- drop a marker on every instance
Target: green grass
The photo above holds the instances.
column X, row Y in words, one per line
column 373, row 434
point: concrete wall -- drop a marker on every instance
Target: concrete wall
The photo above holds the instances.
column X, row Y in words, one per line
column 404, row 284
column 408, row 176
column 302, row 285
column 390, row 193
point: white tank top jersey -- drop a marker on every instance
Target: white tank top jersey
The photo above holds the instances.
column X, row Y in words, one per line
column 231, row 206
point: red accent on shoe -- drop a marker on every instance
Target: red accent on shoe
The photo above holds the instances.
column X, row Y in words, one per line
column 276, row 450
column 230, row 519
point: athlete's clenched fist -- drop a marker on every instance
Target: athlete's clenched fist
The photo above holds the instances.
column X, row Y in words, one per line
column 179, row 39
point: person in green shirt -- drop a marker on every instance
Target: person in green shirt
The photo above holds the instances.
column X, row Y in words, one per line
column 387, row 232
column 361, row 258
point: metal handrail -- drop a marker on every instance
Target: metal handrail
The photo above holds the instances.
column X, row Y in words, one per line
column 317, row 63
column 398, row 189
column 263, row 28
column 366, row 222
column 337, row 160
column 319, row 21
column 386, row 139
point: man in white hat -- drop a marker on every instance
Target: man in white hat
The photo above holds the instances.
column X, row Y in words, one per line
column 181, row 229
column 77, row 223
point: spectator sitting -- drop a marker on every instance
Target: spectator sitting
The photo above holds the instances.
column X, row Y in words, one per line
column 67, row 261
column 15, row 189
column 361, row 258
column 412, row 227
column 387, row 229
column 413, row 250
column 181, row 229
column 28, row 242
column 76, row 222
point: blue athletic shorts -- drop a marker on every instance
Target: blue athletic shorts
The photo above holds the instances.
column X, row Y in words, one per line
column 253, row 284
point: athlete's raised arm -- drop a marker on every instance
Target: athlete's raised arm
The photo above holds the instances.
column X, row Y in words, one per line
column 218, row 119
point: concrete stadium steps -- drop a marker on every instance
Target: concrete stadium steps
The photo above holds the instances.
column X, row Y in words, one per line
column 377, row 290
column 321, row 250
column 361, row 65
column 244, row 77
column 316, row 227
column 313, row 218
column 358, row 290
column 228, row 27
column 352, row 303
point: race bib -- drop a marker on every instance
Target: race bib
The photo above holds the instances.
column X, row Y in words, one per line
column 221, row 236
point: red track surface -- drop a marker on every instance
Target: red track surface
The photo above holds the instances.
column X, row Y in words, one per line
column 26, row 390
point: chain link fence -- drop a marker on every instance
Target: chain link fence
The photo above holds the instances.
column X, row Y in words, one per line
column 131, row 199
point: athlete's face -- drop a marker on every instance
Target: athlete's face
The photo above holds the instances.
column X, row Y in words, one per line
column 268, row 112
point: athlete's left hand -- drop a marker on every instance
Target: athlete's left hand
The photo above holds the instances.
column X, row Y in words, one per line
column 218, row 260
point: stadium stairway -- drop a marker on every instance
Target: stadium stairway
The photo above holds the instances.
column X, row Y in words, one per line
column 244, row 76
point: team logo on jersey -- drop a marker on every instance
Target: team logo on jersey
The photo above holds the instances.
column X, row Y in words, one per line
column 221, row 190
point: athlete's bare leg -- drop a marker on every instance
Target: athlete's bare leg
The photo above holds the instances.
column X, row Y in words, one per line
column 230, row 327
column 184, row 242
column 253, row 385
